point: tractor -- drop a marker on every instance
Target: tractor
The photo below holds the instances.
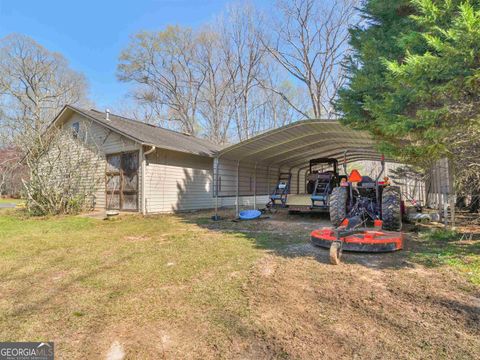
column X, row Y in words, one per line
column 367, row 199
column 357, row 202
column 322, row 178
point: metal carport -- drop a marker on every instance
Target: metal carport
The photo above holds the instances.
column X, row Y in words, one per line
column 294, row 145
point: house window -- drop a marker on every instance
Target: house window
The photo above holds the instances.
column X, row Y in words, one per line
column 75, row 129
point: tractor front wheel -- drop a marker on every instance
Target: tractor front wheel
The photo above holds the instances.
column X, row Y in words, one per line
column 338, row 205
column 391, row 208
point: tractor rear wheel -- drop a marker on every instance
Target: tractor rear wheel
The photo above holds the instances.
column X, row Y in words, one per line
column 391, row 208
column 338, row 205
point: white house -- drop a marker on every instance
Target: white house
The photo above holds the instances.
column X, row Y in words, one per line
column 149, row 169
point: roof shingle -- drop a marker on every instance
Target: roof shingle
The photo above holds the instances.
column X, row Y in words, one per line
column 153, row 135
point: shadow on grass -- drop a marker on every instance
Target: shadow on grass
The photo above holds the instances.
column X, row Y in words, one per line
column 288, row 235
column 469, row 313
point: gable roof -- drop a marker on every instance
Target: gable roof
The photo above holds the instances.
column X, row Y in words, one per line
column 147, row 134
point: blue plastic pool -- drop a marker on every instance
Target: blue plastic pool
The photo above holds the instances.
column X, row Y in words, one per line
column 249, row 214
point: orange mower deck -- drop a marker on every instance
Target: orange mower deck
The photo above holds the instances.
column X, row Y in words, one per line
column 368, row 241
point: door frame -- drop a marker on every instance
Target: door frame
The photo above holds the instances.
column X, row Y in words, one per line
column 121, row 175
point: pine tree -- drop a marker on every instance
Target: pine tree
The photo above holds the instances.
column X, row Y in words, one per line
column 369, row 101
column 415, row 82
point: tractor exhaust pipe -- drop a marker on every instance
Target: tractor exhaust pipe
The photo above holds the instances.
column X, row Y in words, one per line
column 382, row 161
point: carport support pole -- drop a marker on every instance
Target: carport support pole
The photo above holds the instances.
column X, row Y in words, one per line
column 298, row 180
column 255, row 187
column 142, row 159
column 217, row 187
column 268, row 179
column 237, row 202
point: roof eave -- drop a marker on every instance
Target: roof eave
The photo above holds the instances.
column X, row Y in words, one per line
column 139, row 141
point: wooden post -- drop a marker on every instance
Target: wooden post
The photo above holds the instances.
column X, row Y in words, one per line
column 445, row 209
column 452, row 210
column 451, row 187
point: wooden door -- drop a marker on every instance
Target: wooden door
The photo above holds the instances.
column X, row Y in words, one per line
column 121, row 181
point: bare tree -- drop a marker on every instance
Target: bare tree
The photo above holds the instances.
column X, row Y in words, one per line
column 163, row 65
column 310, row 41
column 242, row 34
column 230, row 79
column 11, row 171
column 65, row 174
column 465, row 160
column 35, row 84
column 283, row 96
column 217, row 99
column 133, row 109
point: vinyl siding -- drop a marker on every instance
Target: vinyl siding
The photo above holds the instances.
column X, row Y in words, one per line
column 107, row 142
column 176, row 181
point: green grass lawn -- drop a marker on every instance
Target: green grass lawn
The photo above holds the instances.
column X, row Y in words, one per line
column 11, row 201
column 65, row 274
column 182, row 286
column 80, row 280
column 445, row 247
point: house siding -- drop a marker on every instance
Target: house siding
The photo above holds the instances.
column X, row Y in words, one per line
column 107, row 142
column 176, row 181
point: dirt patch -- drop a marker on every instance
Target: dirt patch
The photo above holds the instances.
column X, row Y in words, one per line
column 116, row 352
column 384, row 306
column 266, row 266
column 313, row 310
column 137, row 238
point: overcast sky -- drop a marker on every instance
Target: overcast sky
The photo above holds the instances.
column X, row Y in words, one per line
column 91, row 34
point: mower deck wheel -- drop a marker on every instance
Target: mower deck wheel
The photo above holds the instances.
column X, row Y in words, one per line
column 335, row 253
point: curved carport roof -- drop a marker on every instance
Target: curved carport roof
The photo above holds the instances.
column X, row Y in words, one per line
column 295, row 144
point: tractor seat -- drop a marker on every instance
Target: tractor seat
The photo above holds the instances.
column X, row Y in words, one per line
column 324, row 178
column 367, row 182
